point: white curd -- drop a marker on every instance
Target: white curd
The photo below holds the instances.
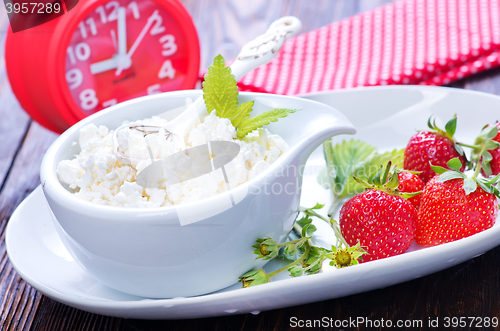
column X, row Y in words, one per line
column 96, row 175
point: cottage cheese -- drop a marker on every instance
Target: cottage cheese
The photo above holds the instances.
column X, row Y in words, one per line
column 96, row 175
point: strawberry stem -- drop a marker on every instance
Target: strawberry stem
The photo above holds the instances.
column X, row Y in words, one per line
column 480, row 163
column 475, row 147
column 299, row 260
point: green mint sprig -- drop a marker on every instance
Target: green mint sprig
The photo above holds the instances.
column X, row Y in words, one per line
column 306, row 258
column 220, row 93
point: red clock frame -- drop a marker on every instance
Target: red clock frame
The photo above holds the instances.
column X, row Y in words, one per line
column 36, row 63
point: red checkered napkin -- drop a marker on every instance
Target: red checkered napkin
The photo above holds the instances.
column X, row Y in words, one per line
column 427, row 42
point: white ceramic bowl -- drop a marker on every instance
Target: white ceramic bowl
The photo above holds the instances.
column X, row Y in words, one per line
column 195, row 248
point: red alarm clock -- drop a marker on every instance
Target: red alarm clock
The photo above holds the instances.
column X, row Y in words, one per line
column 99, row 54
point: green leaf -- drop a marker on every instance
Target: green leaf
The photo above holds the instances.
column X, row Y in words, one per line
column 459, row 149
column 451, row 126
column 454, row 164
column 369, row 168
column 492, row 144
column 323, row 178
column 250, row 124
column 344, row 158
column 304, row 221
column 487, row 156
column 241, row 113
column 494, row 180
column 377, row 178
column 491, row 133
column 394, row 182
column 449, row 175
column 438, row 170
column 486, row 168
column 219, row 88
column 295, row 271
column 317, row 206
column 308, row 230
column 469, row 185
column 487, row 188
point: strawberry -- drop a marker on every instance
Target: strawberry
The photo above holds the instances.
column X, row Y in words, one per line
column 383, row 223
column 486, row 148
column 381, row 219
column 410, row 183
column 436, row 146
column 454, row 206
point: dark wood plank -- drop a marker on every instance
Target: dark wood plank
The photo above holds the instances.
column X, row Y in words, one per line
column 19, row 300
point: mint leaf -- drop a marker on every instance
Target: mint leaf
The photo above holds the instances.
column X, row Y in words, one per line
column 241, row 113
column 219, row 89
column 259, row 121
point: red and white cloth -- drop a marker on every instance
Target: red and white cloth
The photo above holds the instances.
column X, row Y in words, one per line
column 429, row 42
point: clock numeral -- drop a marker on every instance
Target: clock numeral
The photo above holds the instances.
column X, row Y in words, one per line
column 74, row 77
column 109, row 103
column 93, row 29
column 168, row 44
column 91, row 23
column 102, row 14
column 154, row 89
column 113, row 16
column 83, row 32
column 113, row 5
column 157, row 27
column 80, row 52
column 135, row 9
column 88, row 99
column 166, row 70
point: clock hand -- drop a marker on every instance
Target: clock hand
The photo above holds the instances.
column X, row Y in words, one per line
column 113, row 38
column 122, row 32
column 98, row 67
column 138, row 40
column 120, row 59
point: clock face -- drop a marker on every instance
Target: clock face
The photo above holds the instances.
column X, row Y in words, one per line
column 126, row 49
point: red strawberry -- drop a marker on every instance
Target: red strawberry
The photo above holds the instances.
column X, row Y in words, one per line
column 383, row 223
column 410, row 183
column 454, row 206
column 486, row 147
column 435, row 146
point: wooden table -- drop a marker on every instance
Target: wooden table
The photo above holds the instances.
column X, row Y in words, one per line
column 471, row 289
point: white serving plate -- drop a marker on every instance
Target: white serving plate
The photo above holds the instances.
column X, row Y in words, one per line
column 385, row 116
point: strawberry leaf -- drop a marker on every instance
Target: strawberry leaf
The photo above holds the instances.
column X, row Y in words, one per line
column 487, row 188
column 470, row 185
column 487, row 156
column 459, row 149
column 438, row 170
column 449, row 175
column 491, row 133
column 454, row 164
column 492, row 144
column 451, row 126
column 487, row 169
column 494, row 180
